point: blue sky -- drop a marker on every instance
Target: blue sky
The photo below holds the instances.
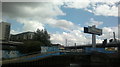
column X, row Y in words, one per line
column 79, row 16
column 63, row 20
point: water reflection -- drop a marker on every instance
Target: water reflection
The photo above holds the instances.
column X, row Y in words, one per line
column 74, row 65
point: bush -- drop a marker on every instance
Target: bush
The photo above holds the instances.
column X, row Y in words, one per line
column 30, row 46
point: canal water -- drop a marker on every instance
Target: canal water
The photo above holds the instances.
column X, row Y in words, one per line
column 74, row 65
column 70, row 65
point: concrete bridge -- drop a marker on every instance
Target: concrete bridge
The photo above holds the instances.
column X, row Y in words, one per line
column 98, row 45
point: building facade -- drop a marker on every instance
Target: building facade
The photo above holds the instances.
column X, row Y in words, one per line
column 22, row 36
column 4, row 31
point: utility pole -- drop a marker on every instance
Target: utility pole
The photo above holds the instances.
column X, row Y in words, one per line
column 66, row 42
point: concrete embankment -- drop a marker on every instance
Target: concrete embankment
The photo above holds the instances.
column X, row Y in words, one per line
column 90, row 60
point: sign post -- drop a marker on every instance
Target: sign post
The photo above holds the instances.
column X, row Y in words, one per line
column 94, row 31
column 93, row 38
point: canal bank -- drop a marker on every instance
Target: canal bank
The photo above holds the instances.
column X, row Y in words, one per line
column 76, row 60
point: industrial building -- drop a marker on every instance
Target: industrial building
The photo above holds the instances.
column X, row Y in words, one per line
column 4, row 31
column 22, row 36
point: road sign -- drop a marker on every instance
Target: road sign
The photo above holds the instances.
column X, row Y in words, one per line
column 93, row 30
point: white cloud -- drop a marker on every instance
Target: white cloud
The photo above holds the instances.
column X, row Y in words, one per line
column 0, row 11
column 31, row 25
column 31, row 14
column 14, row 32
column 75, row 36
column 94, row 22
column 31, row 0
column 63, row 24
column 77, row 4
column 36, row 15
column 98, row 7
column 31, row 10
column 42, row 11
column 108, row 32
column 106, row 10
column 105, row 1
column 103, row 7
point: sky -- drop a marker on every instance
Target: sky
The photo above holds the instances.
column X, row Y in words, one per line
column 63, row 19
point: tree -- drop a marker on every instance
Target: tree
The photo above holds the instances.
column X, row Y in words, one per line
column 42, row 36
column 46, row 38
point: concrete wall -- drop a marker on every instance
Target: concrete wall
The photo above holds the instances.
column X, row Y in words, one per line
column 6, row 54
column 49, row 49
